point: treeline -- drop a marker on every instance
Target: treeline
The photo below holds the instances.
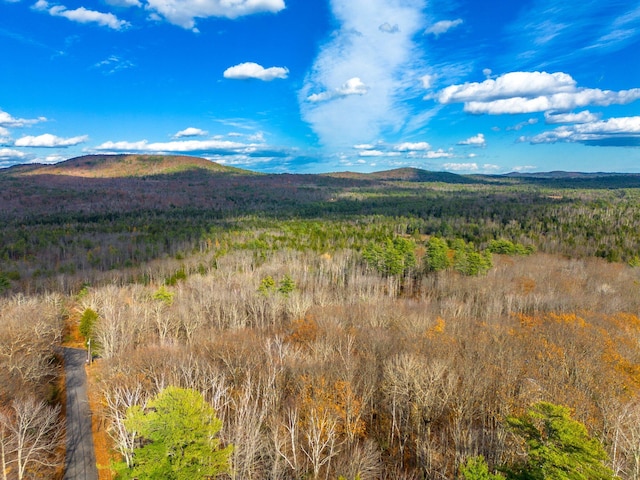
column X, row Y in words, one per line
column 579, row 223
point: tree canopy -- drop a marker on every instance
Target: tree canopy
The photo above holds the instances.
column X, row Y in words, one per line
column 558, row 447
column 178, row 431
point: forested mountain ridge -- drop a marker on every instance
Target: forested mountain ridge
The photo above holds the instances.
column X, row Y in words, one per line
column 114, row 166
column 113, row 211
column 399, row 325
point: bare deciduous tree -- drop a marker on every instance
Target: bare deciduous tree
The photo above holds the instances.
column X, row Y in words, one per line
column 31, row 436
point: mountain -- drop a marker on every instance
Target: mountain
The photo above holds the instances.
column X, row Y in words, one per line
column 119, row 166
column 407, row 175
column 557, row 174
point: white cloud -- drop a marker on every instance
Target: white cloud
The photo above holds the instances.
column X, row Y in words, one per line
column 248, row 70
column 5, row 136
column 82, row 15
column 372, row 153
column 528, row 92
column 519, row 126
column 460, row 167
column 475, row 141
column 389, row 65
column 412, row 147
column 621, row 131
column 49, row 159
column 388, row 28
column 509, row 85
column 490, row 167
column 9, row 155
column 214, row 148
column 184, row 12
column 177, row 146
column 364, row 146
column 353, row 86
column 49, row 141
column 443, row 26
column 433, row 154
column 9, row 121
column 190, row 132
column 581, row 117
column 124, row 3
column 114, row 64
column 523, row 168
column 427, row 81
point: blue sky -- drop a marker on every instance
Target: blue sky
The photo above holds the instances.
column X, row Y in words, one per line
column 325, row 85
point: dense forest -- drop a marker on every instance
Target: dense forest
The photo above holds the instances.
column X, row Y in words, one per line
column 397, row 325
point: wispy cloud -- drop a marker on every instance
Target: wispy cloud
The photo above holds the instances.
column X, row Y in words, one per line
column 620, row 31
column 528, row 92
column 49, row 141
column 82, row 15
column 520, row 125
column 549, row 31
column 114, row 64
column 443, row 26
column 250, row 70
column 359, row 81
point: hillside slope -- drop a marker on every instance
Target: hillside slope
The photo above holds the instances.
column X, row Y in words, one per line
column 117, row 166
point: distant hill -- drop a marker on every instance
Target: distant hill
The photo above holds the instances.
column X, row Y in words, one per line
column 128, row 166
column 407, row 175
column 117, row 166
column 568, row 175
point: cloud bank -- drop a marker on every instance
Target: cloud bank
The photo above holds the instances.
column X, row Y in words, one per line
column 250, row 70
column 356, row 87
column 49, row 141
column 185, row 12
column 9, row 155
column 408, row 150
column 222, row 150
column 528, row 92
column 614, row 132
